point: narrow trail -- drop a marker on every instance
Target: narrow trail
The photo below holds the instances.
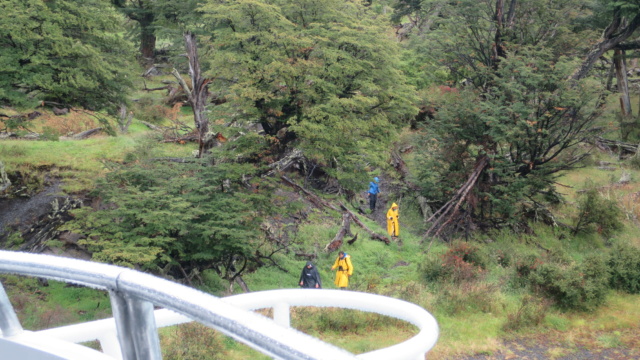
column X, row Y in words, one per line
column 616, row 345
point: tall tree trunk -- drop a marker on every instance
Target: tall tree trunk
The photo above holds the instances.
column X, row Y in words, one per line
column 147, row 36
column 197, row 94
column 498, row 47
column 623, row 84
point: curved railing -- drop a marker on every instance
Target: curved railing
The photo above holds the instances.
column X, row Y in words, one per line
column 132, row 332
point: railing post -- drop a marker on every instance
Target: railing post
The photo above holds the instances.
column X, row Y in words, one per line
column 110, row 345
column 9, row 323
column 281, row 314
column 136, row 326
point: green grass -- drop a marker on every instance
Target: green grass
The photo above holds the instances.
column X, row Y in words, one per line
column 40, row 307
column 471, row 316
column 78, row 162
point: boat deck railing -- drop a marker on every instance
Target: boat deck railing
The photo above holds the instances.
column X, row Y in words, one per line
column 132, row 333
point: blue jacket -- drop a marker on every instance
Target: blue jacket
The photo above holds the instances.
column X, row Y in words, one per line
column 373, row 188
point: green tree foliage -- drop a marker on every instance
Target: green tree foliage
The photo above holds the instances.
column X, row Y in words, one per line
column 66, row 51
column 528, row 124
column 596, row 213
column 582, row 287
column 470, row 38
column 159, row 19
column 175, row 218
column 625, row 268
column 320, row 75
column 517, row 109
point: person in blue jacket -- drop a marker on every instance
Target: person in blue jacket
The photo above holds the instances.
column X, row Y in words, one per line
column 373, row 192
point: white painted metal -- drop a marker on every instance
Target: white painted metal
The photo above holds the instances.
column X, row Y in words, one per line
column 31, row 346
column 228, row 315
column 9, row 323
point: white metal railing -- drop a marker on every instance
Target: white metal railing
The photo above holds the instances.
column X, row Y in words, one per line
column 132, row 332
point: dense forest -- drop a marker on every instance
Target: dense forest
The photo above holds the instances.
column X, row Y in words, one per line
column 222, row 144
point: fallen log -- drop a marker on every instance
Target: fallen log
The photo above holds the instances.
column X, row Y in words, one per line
column 86, row 134
column 321, row 203
column 310, row 257
column 314, row 198
column 373, row 234
column 345, row 229
column 284, row 163
column 151, row 126
column 166, row 87
column 182, row 140
column 616, row 145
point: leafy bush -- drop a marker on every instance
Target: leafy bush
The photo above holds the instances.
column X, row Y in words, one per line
column 192, row 341
column 523, row 268
column 177, row 217
column 315, row 320
column 470, row 296
column 624, row 265
column 462, row 262
column 581, row 287
column 146, row 110
column 49, row 134
column 531, row 312
column 502, row 258
column 596, row 211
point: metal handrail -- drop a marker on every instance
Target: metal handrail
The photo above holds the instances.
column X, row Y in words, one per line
column 133, row 295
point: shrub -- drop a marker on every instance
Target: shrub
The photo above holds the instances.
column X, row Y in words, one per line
column 468, row 297
column 146, row 110
column 315, row 320
column 523, row 268
column 462, row 262
column 531, row 312
column 49, row 134
column 624, row 265
column 596, row 211
column 192, row 341
column 581, row 287
column 503, row 258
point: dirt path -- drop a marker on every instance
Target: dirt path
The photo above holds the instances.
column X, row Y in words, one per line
column 617, row 345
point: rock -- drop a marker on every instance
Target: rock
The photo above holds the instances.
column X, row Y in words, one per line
column 625, row 178
column 4, row 180
column 70, row 238
column 58, row 111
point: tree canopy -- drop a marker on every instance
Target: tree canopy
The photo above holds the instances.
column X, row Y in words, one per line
column 320, row 75
column 66, row 51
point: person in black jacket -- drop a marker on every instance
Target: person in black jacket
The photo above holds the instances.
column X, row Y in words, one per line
column 310, row 278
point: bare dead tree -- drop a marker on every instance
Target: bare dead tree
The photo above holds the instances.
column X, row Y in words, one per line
column 124, row 119
column 449, row 212
column 617, row 32
column 623, row 84
column 198, row 92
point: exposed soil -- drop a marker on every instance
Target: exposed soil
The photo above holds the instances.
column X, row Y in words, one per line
column 20, row 213
column 617, row 345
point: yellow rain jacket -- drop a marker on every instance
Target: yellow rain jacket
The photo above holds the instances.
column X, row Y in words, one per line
column 393, row 227
column 342, row 276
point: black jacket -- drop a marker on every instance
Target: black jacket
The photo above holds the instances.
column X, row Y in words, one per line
column 310, row 277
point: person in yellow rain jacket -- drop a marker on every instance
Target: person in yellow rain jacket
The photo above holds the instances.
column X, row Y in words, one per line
column 345, row 269
column 393, row 227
